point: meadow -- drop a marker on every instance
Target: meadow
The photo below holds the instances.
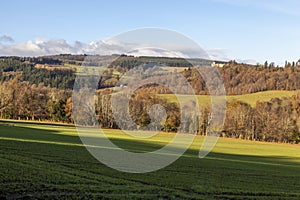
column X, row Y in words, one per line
column 49, row 161
column 251, row 99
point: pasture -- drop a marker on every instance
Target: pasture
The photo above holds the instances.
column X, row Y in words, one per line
column 251, row 99
column 48, row 161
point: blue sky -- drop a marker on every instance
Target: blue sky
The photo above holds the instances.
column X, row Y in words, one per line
column 236, row 29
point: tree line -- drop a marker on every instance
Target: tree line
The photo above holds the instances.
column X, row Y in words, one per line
column 22, row 100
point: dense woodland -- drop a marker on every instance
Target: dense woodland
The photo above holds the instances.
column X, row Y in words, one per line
column 245, row 79
column 28, row 92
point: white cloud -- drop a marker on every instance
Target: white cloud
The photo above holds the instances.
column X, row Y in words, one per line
column 218, row 54
column 5, row 38
column 40, row 47
column 156, row 52
column 247, row 61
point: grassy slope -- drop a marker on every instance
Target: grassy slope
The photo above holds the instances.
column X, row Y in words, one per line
column 248, row 98
column 49, row 161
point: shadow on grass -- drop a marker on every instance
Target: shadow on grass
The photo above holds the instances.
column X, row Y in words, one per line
column 20, row 122
column 54, row 137
column 218, row 175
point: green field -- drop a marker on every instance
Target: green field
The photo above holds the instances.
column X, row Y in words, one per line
column 49, row 161
column 248, row 98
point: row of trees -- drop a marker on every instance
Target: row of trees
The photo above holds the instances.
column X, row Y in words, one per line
column 21, row 100
column 273, row 121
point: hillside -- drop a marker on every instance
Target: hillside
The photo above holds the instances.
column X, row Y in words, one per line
column 250, row 99
column 60, row 71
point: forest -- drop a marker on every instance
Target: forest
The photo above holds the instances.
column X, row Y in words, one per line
column 45, row 94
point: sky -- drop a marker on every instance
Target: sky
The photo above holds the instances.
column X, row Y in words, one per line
column 246, row 30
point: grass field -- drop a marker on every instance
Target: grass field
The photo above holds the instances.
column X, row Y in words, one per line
column 248, row 98
column 49, row 161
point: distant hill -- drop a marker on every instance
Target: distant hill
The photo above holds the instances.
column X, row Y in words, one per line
column 59, row 71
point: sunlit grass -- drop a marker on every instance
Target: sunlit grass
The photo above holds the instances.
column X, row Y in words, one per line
column 248, row 98
column 50, row 161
